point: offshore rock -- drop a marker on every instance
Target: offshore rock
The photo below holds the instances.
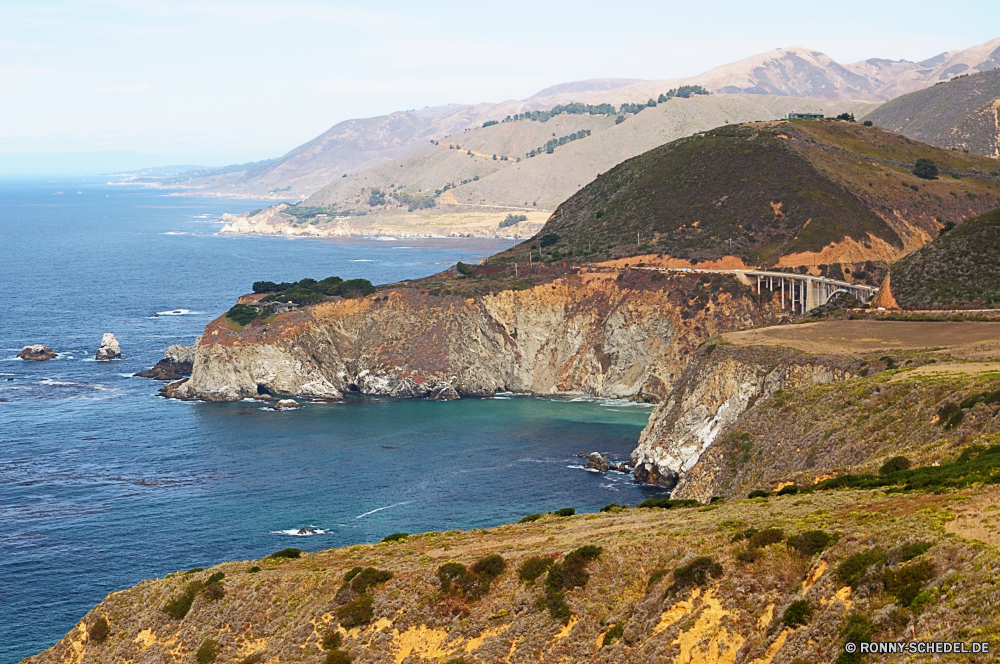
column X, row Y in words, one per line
column 718, row 385
column 109, row 350
column 287, row 404
column 597, row 462
column 177, row 362
column 588, row 332
column 443, row 393
column 36, row 353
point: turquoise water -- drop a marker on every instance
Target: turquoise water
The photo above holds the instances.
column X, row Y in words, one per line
column 102, row 483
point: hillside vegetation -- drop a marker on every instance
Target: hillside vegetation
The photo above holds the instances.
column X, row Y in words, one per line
column 801, row 192
column 742, row 581
column 956, row 271
column 961, row 114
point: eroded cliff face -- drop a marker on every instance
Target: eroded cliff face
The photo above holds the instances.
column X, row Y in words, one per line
column 719, row 384
column 622, row 335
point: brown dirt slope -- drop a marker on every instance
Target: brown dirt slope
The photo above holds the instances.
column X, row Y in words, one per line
column 630, row 607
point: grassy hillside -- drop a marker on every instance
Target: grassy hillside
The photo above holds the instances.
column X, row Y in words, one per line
column 547, row 180
column 957, row 270
column 742, row 581
column 960, row 114
column 778, row 193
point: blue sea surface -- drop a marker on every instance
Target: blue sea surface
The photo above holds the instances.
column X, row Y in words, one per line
column 103, row 483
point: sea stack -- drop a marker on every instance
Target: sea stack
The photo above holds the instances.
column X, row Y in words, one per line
column 177, row 363
column 36, row 353
column 109, row 350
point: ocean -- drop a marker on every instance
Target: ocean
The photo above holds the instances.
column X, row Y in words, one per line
column 103, row 483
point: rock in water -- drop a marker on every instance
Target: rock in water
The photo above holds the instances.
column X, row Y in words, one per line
column 177, row 362
column 443, row 393
column 109, row 350
column 36, row 353
column 597, row 462
column 287, row 404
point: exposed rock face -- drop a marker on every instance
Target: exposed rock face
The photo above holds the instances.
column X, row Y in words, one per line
column 590, row 333
column 109, row 350
column 287, row 404
column 36, row 353
column 177, row 362
column 597, row 462
column 718, row 385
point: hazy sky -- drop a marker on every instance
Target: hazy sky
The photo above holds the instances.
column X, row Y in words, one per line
column 214, row 82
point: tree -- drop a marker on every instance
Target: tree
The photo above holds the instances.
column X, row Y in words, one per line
column 925, row 169
column 846, row 117
column 867, row 123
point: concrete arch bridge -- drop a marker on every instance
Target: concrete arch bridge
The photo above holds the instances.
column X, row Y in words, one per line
column 801, row 292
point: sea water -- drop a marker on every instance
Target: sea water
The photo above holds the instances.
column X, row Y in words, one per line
column 103, row 483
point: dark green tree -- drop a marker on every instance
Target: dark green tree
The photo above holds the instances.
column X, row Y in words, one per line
column 925, row 169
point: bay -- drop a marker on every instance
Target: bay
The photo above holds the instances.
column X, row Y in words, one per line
column 102, row 483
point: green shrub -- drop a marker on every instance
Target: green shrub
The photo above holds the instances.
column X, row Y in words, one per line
column 566, row 511
column 613, row 634
column 362, row 579
column 534, row 567
column 530, row 518
column 741, row 535
column 254, row 658
column 458, row 660
column 867, row 123
column 241, row 314
column 253, row 570
column 555, row 602
column 215, row 577
column 194, row 570
column 919, row 573
column 548, row 240
column 925, row 169
column 179, row 606
column 359, row 611
column 338, row 657
column 857, row 629
column 570, row 573
column 656, row 577
column 908, row 593
column 464, row 270
column 613, row 507
column 99, row 631
column 908, row 551
column 285, row 554
column 332, row 639
column 766, row 537
column 759, row 493
column 695, row 573
column 207, row 652
column 395, row 537
column 797, row 613
column 472, row 583
column 855, row 568
column 979, row 467
column 894, row 465
column 810, row 542
column 669, row 503
column 214, row 591
column 490, row 567
column 789, row 490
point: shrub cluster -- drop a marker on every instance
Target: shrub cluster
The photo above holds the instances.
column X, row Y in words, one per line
column 904, row 581
column 570, row 573
column 332, row 641
column 811, row 542
column 395, row 537
column 472, row 583
column 207, row 652
column 613, row 634
column 551, row 145
column 534, row 567
column 669, row 503
column 512, row 220
column 308, row 291
column 976, row 465
column 286, row 554
column 211, row 588
column 797, row 613
column 695, row 573
column 99, row 631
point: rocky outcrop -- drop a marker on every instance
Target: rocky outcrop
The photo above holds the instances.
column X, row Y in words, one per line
column 287, row 404
column 36, row 353
column 596, row 462
column 109, row 350
column 585, row 333
column 177, row 362
column 718, row 385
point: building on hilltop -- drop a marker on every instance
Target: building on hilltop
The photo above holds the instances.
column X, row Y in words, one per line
column 810, row 116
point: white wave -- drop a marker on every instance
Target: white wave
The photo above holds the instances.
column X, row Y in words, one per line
column 609, row 487
column 175, row 233
column 295, row 532
column 501, row 398
column 379, row 509
column 177, row 312
column 7, row 374
column 361, row 260
column 49, row 381
column 403, row 247
column 577, row 467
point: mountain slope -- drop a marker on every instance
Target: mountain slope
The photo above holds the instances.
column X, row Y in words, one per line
column 963, row 114
column 772, row 194
column 549, row 179
column 955, row 271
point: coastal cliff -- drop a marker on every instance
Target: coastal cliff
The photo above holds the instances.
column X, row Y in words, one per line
column 718, row 385
column 621, row 334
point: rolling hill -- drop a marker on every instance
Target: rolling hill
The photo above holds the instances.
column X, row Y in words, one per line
column 355, row 145
column 955, row 271
column 785, row 193
column 961, row 114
